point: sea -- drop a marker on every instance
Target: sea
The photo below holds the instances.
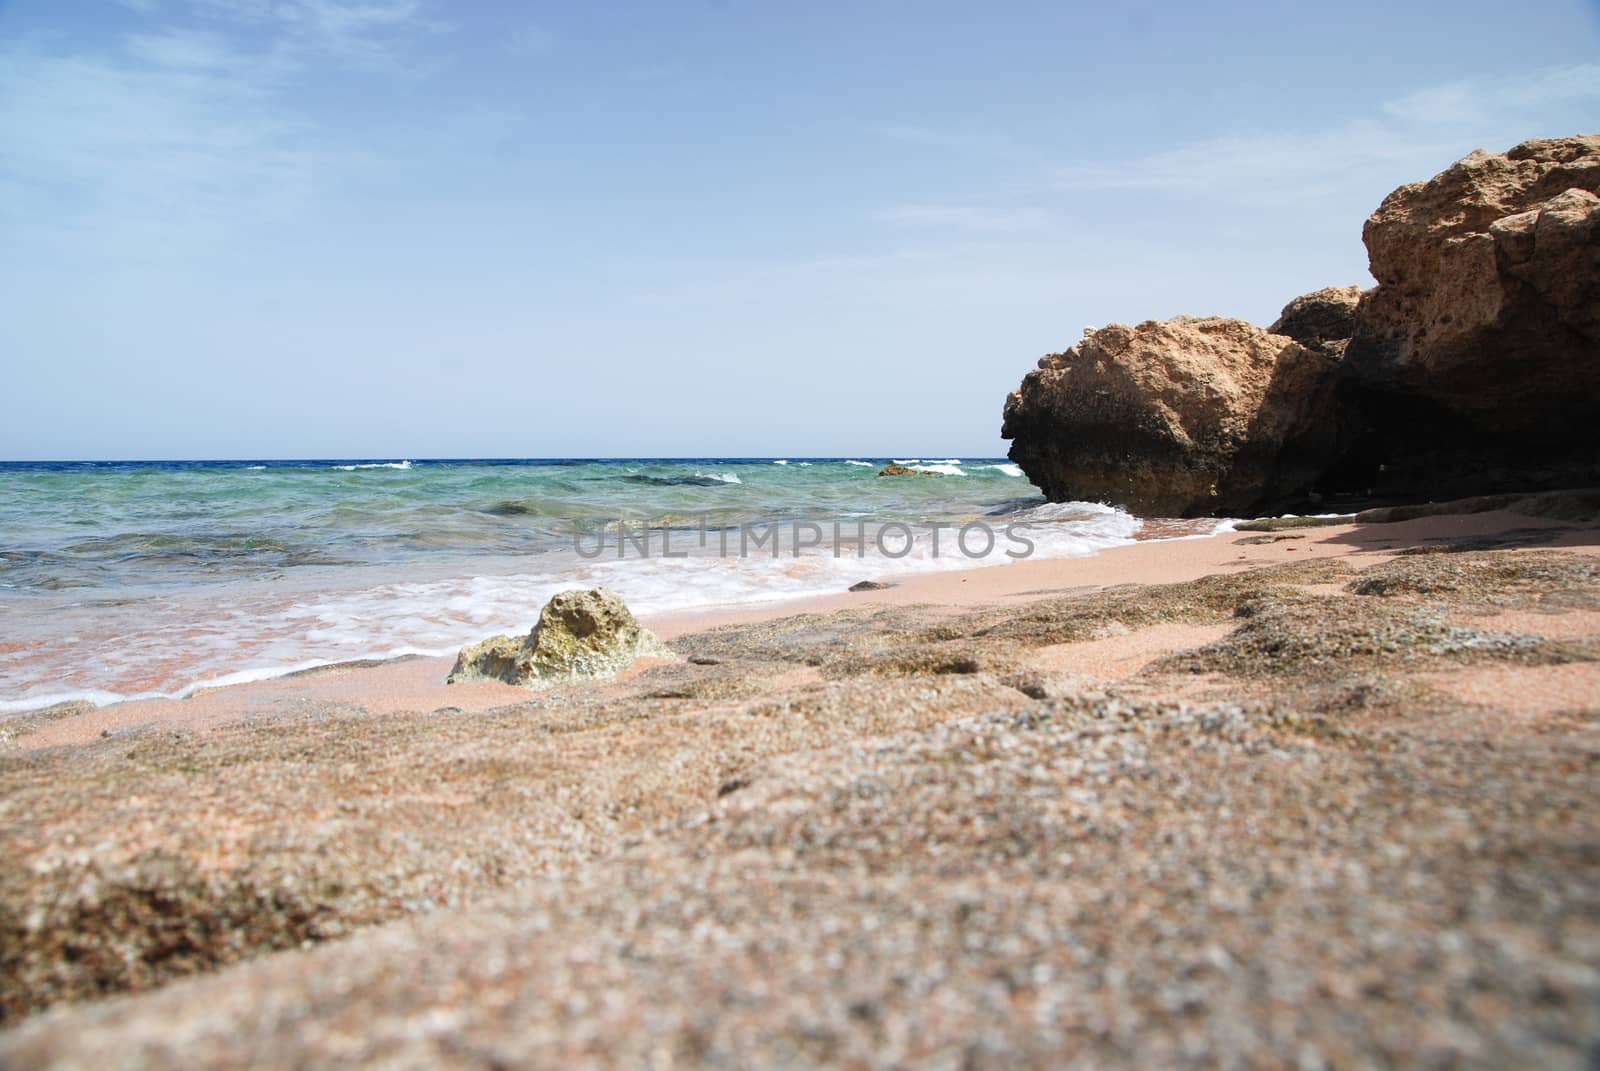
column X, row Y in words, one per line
column 137, row 579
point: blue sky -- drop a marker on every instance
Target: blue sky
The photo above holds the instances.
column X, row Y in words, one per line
column 407, row 228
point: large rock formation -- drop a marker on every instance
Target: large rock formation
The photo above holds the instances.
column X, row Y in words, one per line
column 1475, row 363
column 1473, row 366
column 1181, row 417
column 580, row 634
column 1323, row 319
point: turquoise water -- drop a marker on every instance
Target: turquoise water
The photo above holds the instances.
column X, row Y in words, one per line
column 135, row 578
column 184, row 522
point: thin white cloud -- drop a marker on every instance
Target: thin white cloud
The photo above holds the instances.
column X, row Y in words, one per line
column 1467, row 102
column 944, row 137
column 184, row 128
column 179, row 49
column 1250, row 182
column 974, row 218
column 1410, row 136
column 164, row 130
column 1246, row 162
column 367, row 32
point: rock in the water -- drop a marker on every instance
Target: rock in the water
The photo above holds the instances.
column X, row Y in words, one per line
column 1181, row 417
column 1323, row 319
column 901, row 470
column 580, row 634
column 870, row 585
column 1476, row 360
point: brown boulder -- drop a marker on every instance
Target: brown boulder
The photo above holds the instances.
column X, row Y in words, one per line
column 1476, row 360
column 1323, row 319
column 1473, row 367
column 1179, row 417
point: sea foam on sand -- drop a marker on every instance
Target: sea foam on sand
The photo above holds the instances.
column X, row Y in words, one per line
column 250, row 630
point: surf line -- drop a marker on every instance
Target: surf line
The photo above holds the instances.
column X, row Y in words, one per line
column 892, row 539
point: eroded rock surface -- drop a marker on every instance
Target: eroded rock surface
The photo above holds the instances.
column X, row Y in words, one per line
column 1472, row 367
column 1476, row 359
column 1183, row 417
column 887, row 835
column 580, row 634
column 1323, row 319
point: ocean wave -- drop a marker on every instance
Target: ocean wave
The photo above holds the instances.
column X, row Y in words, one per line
column 699, row 479
column 427, row 570
column 101, row 698
column 261, row 629
column 947, row 467
column 1014, row 506
column 1056, row 512
column 780, row 462
column 208, row 551
column 1007, row 468
column 55, row 699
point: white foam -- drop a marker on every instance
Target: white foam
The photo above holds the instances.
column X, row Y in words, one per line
column 725, row 477
column 868, row 464
column 1066, row 511
column 266, row 673
column 101, row 698
column 375, row 465
column 181, row 643
column 256, row 468
column 1007, row 468
column 780, row 462
column 40, row 702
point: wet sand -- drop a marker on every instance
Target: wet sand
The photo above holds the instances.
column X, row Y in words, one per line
column 1325, row 794
column 417, row 684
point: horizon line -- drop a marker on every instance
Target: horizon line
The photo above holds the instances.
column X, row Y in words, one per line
column 415, row 460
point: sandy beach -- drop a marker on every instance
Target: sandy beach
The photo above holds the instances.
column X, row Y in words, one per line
column 726, row 536
column 417, row 684
column 1444, row 662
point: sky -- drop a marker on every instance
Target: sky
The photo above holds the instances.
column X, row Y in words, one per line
column 420, row 228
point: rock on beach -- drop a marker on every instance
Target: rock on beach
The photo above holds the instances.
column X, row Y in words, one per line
column 580, row 635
